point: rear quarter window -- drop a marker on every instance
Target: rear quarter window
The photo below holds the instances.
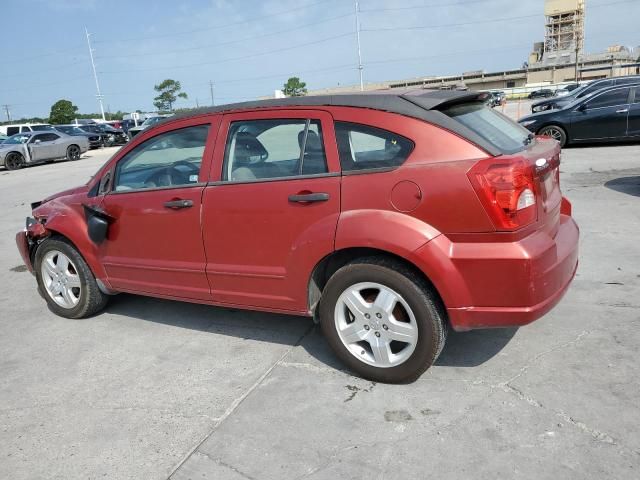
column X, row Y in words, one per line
column 363, row 147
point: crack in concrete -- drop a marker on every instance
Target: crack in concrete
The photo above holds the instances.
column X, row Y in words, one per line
column 238, row 401
column 227, row 465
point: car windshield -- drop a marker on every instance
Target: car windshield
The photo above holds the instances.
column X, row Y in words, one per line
column 500, row 131
column 39, row 128
column 90, row 128
column 17, row 139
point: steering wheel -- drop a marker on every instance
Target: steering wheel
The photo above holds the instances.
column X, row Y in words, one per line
column 171, row 175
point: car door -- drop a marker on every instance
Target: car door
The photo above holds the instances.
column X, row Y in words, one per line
column 154, row 243
column 273, row 212
column 603, row 116
column 633, row 125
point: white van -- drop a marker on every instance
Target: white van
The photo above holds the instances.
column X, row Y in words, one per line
column 9, row 130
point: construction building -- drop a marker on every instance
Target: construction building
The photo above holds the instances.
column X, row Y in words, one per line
column 559, row 59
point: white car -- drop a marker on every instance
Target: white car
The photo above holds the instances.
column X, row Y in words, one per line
column 34, row 147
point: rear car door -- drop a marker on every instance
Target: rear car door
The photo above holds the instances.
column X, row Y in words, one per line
column 272, row 214
column 602, row 116
column 154, row 243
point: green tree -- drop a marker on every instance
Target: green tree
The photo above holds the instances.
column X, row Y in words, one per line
column 294, row 88
column 169, row 92
column 63, row 111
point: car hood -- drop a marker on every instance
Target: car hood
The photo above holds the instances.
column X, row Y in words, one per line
column 64, row 193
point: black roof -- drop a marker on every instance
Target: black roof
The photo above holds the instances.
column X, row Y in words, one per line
column 421, row 104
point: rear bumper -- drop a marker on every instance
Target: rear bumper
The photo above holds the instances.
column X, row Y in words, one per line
column 487, row 285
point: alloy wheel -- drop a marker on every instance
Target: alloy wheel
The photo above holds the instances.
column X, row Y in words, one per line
column 13, row 161
column 376, row 324
column 73, row 152
column 552, row 132
column 60, row 278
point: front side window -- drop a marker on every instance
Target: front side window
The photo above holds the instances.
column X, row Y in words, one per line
column 363, row 147
column 47, row 137
column 169, row 159
column 263, row 149
column 17, row 139
column 610, row 99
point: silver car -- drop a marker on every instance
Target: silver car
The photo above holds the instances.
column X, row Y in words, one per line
column 34, row 147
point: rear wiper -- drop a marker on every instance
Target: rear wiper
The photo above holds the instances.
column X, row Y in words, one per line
column 529, row 139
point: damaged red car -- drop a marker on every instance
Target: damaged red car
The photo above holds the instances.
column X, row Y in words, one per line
column 389, row 218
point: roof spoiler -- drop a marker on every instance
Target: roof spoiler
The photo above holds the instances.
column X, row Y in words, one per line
column 438, row 100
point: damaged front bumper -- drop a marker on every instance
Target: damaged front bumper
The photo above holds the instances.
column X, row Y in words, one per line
column 28, row 238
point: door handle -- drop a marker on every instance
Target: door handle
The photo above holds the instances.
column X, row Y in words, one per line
column 178, row 204
column 309, row 197
column 622, row 111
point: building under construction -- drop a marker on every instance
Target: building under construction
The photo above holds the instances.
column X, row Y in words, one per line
column 564, row 26
column 559, row 59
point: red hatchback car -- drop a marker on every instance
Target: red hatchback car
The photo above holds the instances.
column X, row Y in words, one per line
column 388, row 217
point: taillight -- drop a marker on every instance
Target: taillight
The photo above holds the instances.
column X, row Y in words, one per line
column 507, row 191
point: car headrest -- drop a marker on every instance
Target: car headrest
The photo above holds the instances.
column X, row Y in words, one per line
column 248, row 147
column 314, row 144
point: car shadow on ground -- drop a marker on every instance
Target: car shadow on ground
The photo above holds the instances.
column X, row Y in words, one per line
column 629, row 185
column 462, row 349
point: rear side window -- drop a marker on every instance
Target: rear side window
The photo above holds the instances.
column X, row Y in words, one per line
column 500, row 131
column 12, row 130
column 264, row 149
column 595, row 86
column 363, row 147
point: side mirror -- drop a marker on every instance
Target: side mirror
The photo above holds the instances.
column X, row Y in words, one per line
column 37, row 141
column 582, row 108
column 97, row 224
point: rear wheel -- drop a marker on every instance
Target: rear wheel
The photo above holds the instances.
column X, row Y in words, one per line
column 65, row 280
column 382, row 320
column 555, row 132
column 14, row 161
column 73, row 152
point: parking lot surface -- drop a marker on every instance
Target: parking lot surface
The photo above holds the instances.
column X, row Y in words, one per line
column 151, row 389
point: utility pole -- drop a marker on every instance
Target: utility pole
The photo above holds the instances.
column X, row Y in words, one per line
column 8, row 112
column 211, row 89
column 95, row 74
column 197, row 104
column 578, row 39
column 358, row 40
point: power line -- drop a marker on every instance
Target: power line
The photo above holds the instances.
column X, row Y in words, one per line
column 428, row 5
column 225, row 60
column 229, row 42
column 220, row 26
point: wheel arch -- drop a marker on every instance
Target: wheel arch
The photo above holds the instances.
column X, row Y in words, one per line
column 330, row 264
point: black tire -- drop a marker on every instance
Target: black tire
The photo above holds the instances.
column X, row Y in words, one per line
column 419, row 295
column 73, row 152
column 91, row 299
column 14, row 161
column 556, row 132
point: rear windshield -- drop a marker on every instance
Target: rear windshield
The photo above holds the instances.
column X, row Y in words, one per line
column 501, row 132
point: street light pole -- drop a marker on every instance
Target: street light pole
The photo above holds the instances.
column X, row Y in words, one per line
column 358, row 40
column 95, row 75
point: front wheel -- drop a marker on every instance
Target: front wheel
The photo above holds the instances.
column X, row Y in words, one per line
column 65, row 280
column 73, row 152
column 382, row 320
column 14, row 161
column 555, row 132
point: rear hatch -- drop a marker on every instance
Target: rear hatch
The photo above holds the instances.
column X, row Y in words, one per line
column 519, row 187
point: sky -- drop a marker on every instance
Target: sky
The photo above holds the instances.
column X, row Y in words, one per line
column 248, row 48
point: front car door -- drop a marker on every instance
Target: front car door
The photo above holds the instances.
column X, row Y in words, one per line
column 154, row 243
column 272, row 214
column 603, row 116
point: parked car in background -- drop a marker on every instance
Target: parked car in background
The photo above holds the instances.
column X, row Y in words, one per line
column 95, row 140
column 149, row 122
column 388, row 217
column 109, row 136
column 542, row 93
column 582, row 91
column 608, row 115
column 495, row 99
column 34, row 147
column 24, row 127
column 126, row 125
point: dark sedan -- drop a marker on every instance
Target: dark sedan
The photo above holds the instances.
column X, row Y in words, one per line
column 583, row 91
column 543, row 93
column 608, row 115
column 109, row 136
column 95, row 140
